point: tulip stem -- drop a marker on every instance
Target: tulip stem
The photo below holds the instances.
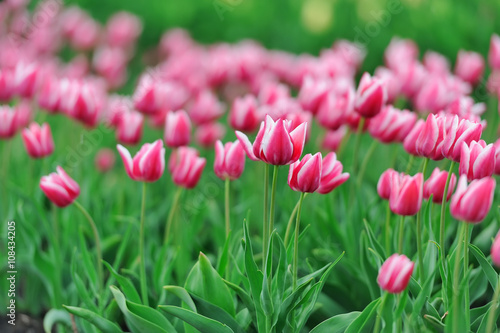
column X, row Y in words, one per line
column 379, row 313
column 443, row 210
column 410, row 163
column 466, row 267
column 265, row 225
column 388, row 229
column 456, row 280
column 401, row 234
column 273, row 197
column 419, row 249
column 356, row 146
column 366, row 159
column 296, row 243
column 227, row 211
column 144, row 282
column 97, row 243
column 171, row 214
column 491, row 327
column 290, row 222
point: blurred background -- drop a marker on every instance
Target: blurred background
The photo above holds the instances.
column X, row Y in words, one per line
column 307, row 26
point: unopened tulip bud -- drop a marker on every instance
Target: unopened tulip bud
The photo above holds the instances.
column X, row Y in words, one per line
column 177, row 129
column 207, row 134
column 406, row 194
column 229, row 160
column 104, row 159
column 384, row 184
column 435, row 186
column 60, row 188
column 186, row 167
column 38, row 140
column 477, row 160
column 473, row 202
column 305, row 175
column 371, row 96
column 395, row 273
column 147, row 165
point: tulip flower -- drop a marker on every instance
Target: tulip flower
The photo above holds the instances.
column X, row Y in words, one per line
column 494, row 52
column 129, row 129
column 50, row 94
column 391, row 81
column 395, row 273
column 6, row 85
column 471, row 203
column 400, row 52
column 495, row 250
column 410, row 142
column 430, row 139
column 435, row 186
column 8, row 122
column 460, row 131
column 433, row 96
column 60, row 188
column 207, row 134
column 243, row 115
column 147, row 165
column 206, row 108
column 469, row 66
column 392, row 125
column 104, row 160
column 384, row 184
column 305, row 174
column 312, row 93
column 271, row 92
column 177, row 129
column 229, row 160
column 436, row 63
column 117, row 106
column 371, row 96
column 406, row 194
column 477, row 160
column 332, row 139
column 186, row 167
column 274, row 143
column 331, row 174
column 26, row 79
column 38, row 140
column 332, row 112
column 122, row 29
column 84, row 101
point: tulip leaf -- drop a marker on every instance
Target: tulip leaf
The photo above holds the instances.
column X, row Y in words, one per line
column 201, row 323
column 183, row 296
column 212, row 311
column 98, row 321
column 363, row 322
column 126, row 285
column 54, row 316
column 486, row 267
column 244, row 297
column 339, row 323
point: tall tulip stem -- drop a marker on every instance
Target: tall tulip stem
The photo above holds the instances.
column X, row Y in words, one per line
column 456, row 280
column 419, row 233
column 379, row 313
column 290, row 221
column 491, row 327
column 226, row 204
column 388, row 229
column 171, row 214
column 356, row 145
column 265, row 224
column 401, row 234
column 466, row 267
column 443, row 210
column 273, row 197
column 296, row 243
column 144, row 283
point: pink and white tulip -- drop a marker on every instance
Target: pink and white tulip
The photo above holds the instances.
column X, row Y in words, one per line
column 147, row 165
column 477, row 160
column 371, row 96
column 435, row 186
column 229, row 160
column 60, row 188
column 186, row 167
column 395, row 273
column 177, row 129
column 406, row 194
column 38, row 140
column 471, row 203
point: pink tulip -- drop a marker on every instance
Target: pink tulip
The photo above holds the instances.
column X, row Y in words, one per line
column 7, row 85
column 186, row 167
column 371, row 96
column 8, row 122
column 123, row 29
column 410, row 142
column 495, row 250
column 331, row 174
column 177, row 129
column 460, row 130
column 332, row 139
column 494, row 53
column 38, row 140
column 26, row 78
column 274, row 143
column 433, row 96
column 305, row 175
column 271, row 92
column 104, row 160
column 111, row 63
column 334, row 108
column 117, row 106
column 207, row 134
column 60, row 188
column 129, row 129
column 147, row 165
column 472, row 203
column 24, row 113
column 229, row 160
column 469, row 66
column 436, row 63
column 497, row 157
column 83, row 101
column 435, row 186
column 244, row 115
column 86, row 34
column 395, row 273
column 384, row 184
column 49, row 96
column 430, row 139
column 147, row 96
column 477, row 160
column 412, row 76
column 206, row 108
column 400, row 52
column 312, row 93
column 391, row 81
column 406, row 194
column 392, row 125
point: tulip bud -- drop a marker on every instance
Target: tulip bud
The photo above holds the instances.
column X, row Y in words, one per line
column 26, row 79
column 494, row 53
column 495, row 250
column 472, row 203
column 229, row 160
column 430, row 139
column 392, row 125
column 207, row 134
column 8, row 122
column 38, row 140
column 104, row 160
column 332, row 112
column 244, row 115
column 410, row 142
column 186, row 167
column 177, row 129
column 331, row 174
column 60, row 188
column 477, row 160
column 6, row 85
column 395, row 273
column 371, row 96
column 384, row 184
column 469, row 66
column 147, row 165
column 406, row 194
column 129, row 129
column 459, row 131
column 123, row 29
column 206, row 108
column 312, row 93
column 305, row 175
column 435, row 186
column 436, row 63
column 332, row 139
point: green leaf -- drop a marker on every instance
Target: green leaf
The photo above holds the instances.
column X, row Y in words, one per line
column 201, row 323
column 83, row 291
column 224, row 257
column 126, row 285
column 373, row 240
column 183, row 295
column 53, row 317
column 423, row 295
column 265, row 296
column 205, row 282
column 141, row 318
column 338, row 323
column 98, row 321
column 486, row 267
column 212, row 311
column 363, row 322
column 245, row 298
column 88, row 264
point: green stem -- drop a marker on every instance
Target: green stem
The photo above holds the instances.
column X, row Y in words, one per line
column 142, row 258
column 296, row 244
column 424, row 166
column 171, row 214
column 290, row 222
column 379, row 313
column 265, row 223
column 419, row 249
column 456, row 281
column 97, row 243
column 57, row 254
column 466, row 267
column 356, row 146
column 401, row 234
column 491, row 327
column 443, row 210
column 366, row 159
column 273, row 197
column 410, row 164
column 388, row 229
column 227, row 211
